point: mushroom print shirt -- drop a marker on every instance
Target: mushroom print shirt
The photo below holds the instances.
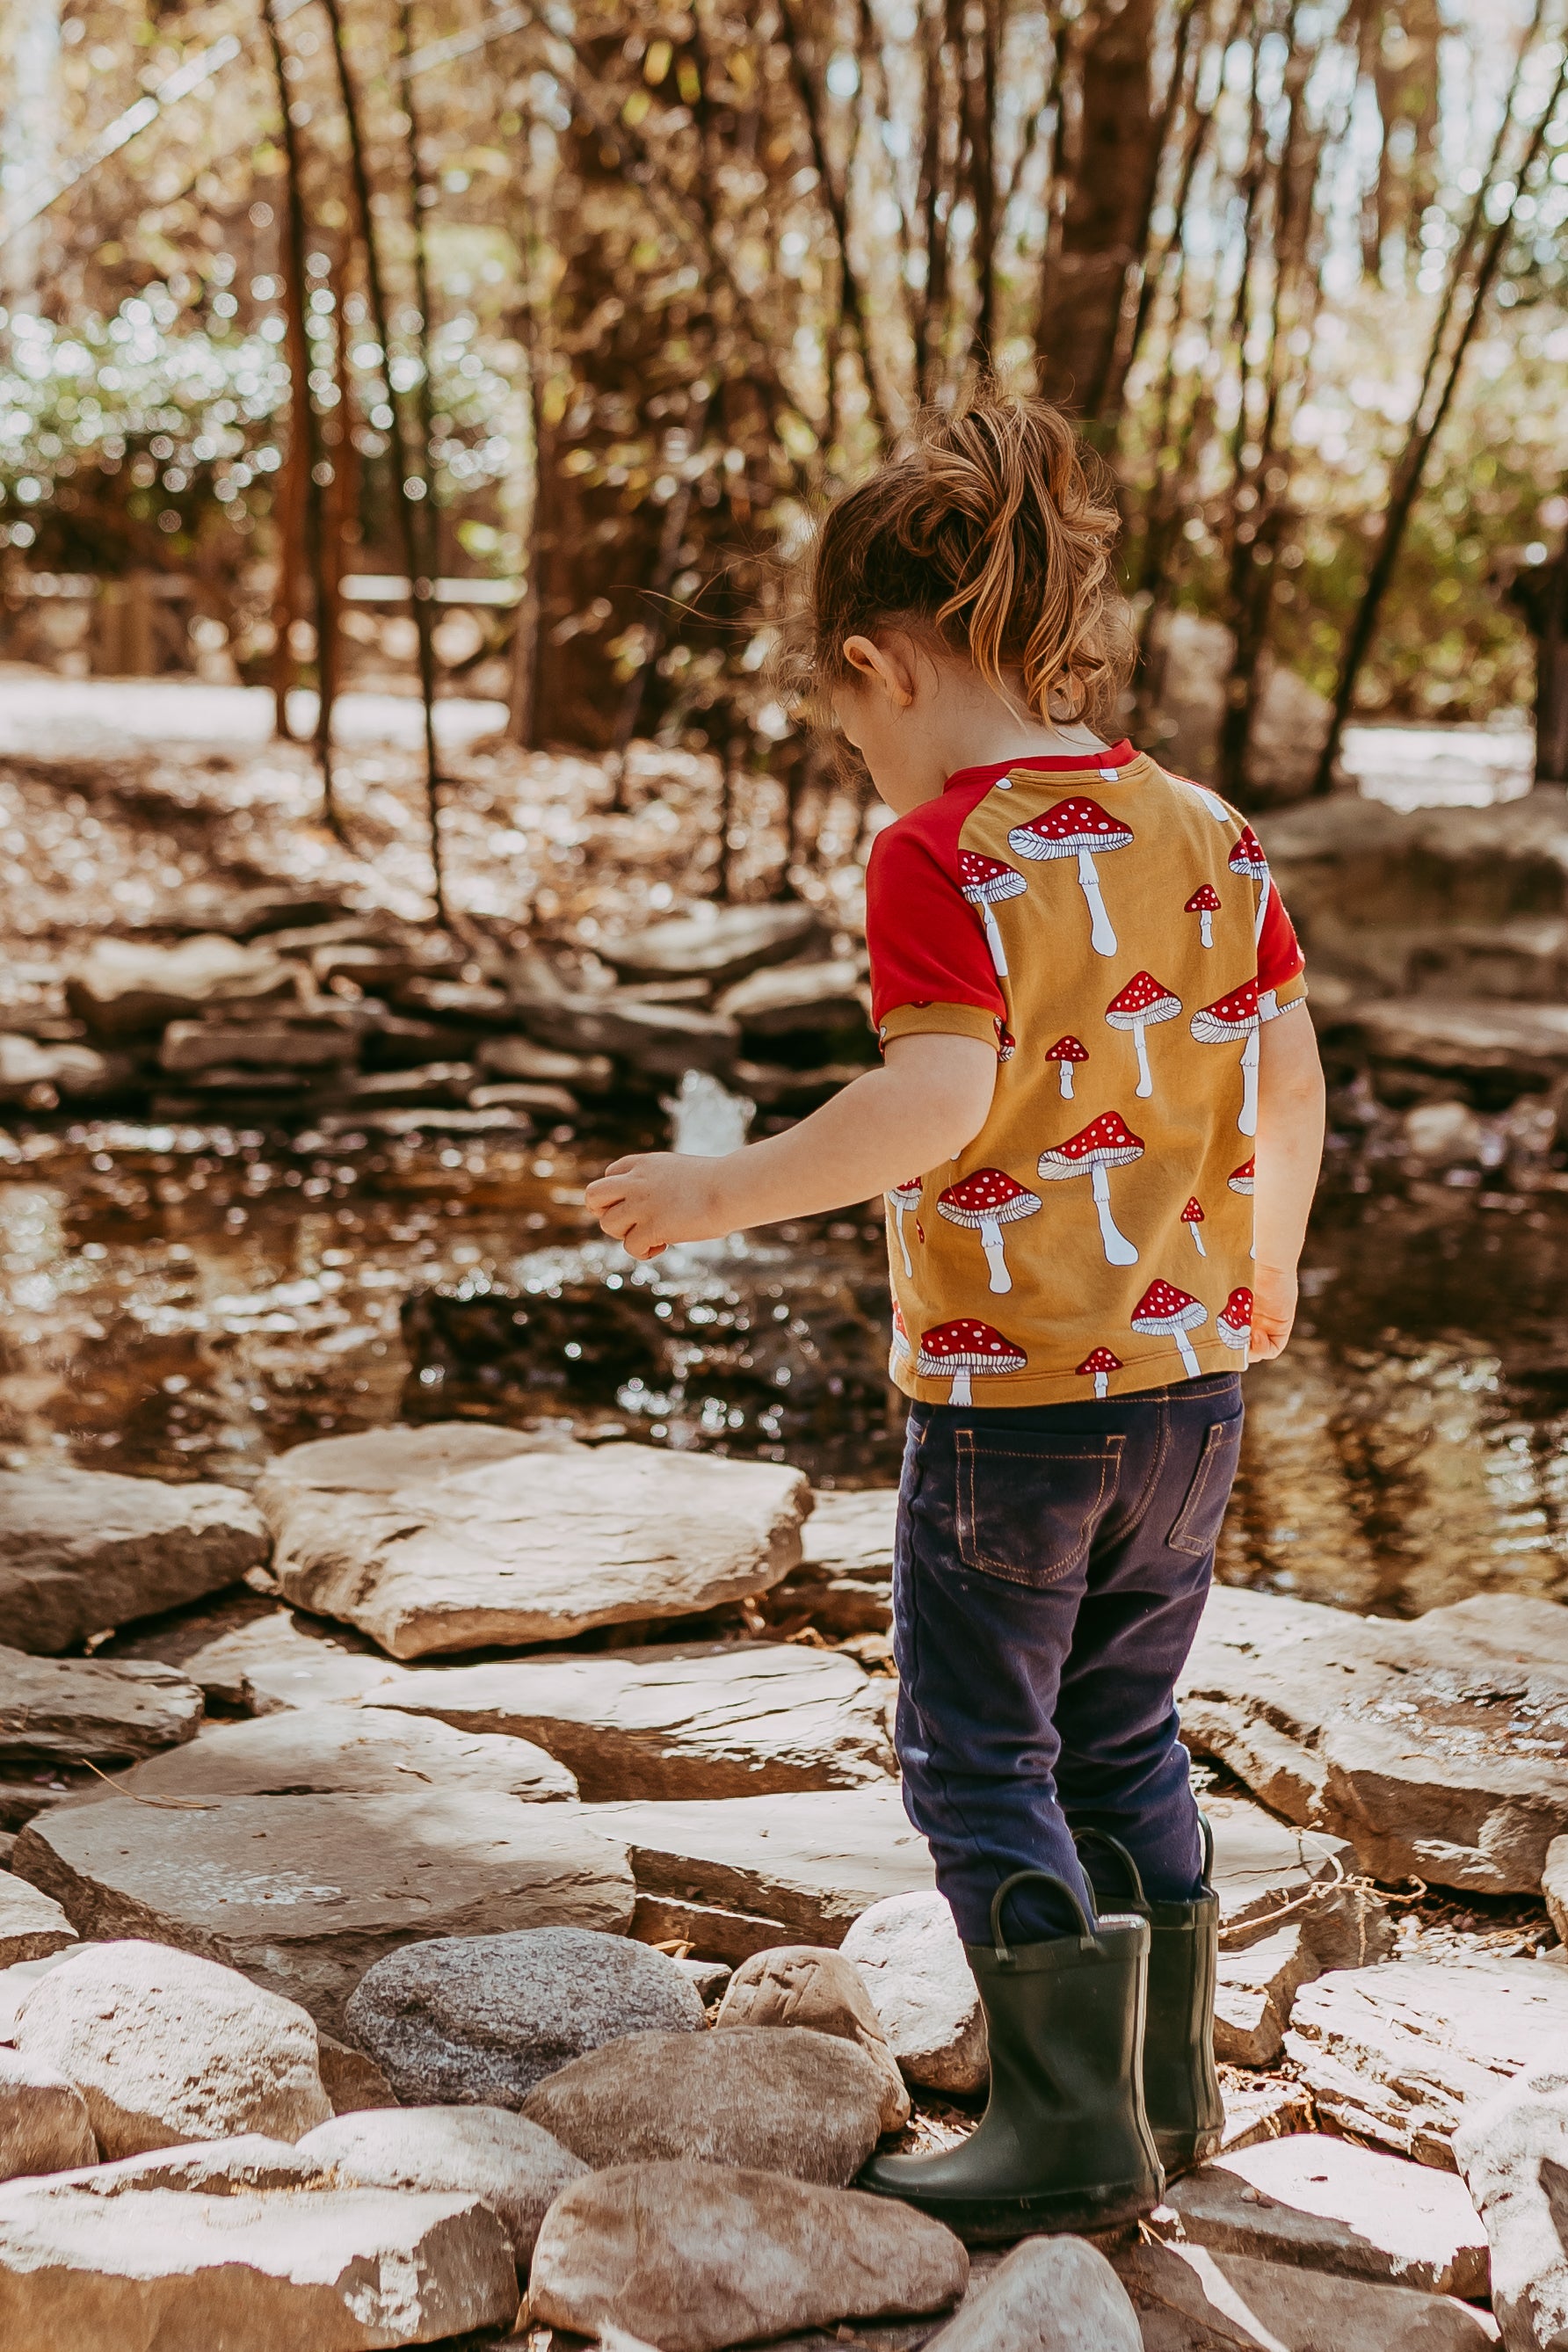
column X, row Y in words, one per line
column 1113, row 932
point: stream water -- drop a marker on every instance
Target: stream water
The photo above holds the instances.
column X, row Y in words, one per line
column 185, row 1301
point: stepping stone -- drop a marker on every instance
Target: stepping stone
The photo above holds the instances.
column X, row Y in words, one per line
column 127, row 987
column 716, row 944
column 304, row 1896
column 807, row 1985
column 31, row 1924
column 458, row 1538
column 1329, row 2205
column 909, row 1951
column 1437, row 1747
column 1397, row 2054
column 737, row 1876
column 696, row 2257
column 1050, row 2294
column 287, row 1658
column 342, row 1750
column 517, row 2169
column 1189, row 2299
column 1514, row 2153
column 72, row 1708
column 698, row 1720
column 147, row 2251
column 83, row 1550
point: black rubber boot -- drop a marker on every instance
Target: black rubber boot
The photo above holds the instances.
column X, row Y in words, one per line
column 1064, row 2143
column 1181, row 2088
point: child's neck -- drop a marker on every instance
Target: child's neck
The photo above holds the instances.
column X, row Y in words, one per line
column 978, row 729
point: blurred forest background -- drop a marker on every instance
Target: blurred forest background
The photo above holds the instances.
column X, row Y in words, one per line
column 572, row 318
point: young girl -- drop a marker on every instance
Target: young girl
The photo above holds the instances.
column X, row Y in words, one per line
column 1091, row 1012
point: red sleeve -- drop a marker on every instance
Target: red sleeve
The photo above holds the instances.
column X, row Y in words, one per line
column 927, row 942
column 1280, row 958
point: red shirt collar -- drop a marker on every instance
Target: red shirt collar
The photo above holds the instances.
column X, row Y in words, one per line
column 1116, row 755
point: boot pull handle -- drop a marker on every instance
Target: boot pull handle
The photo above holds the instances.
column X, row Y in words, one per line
column 1046, row 1878
column 1114, row 1845
column 1206, row 1829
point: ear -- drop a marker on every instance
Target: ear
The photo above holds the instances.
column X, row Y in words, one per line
column 888, row 666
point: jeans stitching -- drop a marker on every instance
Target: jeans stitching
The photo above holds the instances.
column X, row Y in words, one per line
column 1108, row 1453
column 1214, row 1444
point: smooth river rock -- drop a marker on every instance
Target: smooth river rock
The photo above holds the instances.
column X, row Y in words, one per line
column 1514, row 2153
column 143, row 2255
column 82, row 1550
column 305, row 1894
column 484, row 2018
column 165, row 2046
column 517, row 2169
column 1050, row 2294
column 797, row 1984
column 1437, row 1747
column 75, row 1707
column 1400, row 2054
column 706, row 1719
column 433, row 1544
column 1329, row 2205
column 347, row 1751
column 909, row 1951
column 695, row 2257
column 44, row 2121
column 799, row 2103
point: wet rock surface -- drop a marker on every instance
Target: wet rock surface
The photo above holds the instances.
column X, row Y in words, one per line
column 518, row 2169
column 276, row 1887
column 696, row 2257
column 83, row 1550
column 798, row 2103
column 484, row 2018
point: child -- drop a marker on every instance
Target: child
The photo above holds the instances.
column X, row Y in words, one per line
column 1091, row 1012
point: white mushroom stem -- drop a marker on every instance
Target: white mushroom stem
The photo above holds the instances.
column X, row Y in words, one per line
column 994, row 939
column 898, row 1214
column 960, row 1392
column 1119, row 1250
column 1102, row 1383
column 1262, row 909
column 1065, row 1066
column 1198, row 1242
column 1145, row 1085
column 1189, row 1361
column 1206, row 926
column 995, row 1256
column 1246, row 1119
column 1102, row 937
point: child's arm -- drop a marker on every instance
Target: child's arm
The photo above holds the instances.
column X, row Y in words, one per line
column 930, row 1098
column 1289, row 1149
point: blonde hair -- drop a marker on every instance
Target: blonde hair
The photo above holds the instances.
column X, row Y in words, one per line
column 995, row 530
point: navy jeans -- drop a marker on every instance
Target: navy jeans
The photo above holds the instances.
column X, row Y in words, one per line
column 1051, row 1567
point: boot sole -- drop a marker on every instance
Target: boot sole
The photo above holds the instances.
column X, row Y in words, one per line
column 987, row 2221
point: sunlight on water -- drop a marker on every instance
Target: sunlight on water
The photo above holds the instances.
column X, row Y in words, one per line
column 705, row 1118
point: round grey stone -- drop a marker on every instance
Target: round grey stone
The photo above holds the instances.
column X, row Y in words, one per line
column 479, row 2020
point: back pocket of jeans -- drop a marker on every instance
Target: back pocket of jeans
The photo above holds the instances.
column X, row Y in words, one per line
column 1197, row 1524
column 1027, row 1511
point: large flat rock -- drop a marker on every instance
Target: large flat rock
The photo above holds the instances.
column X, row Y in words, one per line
column 83, row 1550
column 1438, row 1748
column 343, row 1752
column 1192, row 2299
column 705, row 1719
column 70, row 1708
column 714, row 943
column 130, row 988
column 303, row 1893
column 428, row 1542
column 1397, row 2054
column 150, row 2253
column 742, row 1875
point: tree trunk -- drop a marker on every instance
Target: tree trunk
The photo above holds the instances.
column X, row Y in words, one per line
column 1080, row 305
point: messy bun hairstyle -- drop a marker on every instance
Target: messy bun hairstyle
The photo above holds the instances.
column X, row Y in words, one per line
column 992, row 530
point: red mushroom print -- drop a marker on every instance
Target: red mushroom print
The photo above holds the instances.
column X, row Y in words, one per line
column 1144, row 998
column 1106, row 1142
column 987, row 1202
column 901, row 1352
column 1247, row 858
column 1193, row 1217
column 1234, row 1321
column 984, row 882
column 902, row 1199
column 1065, row 1053
column 1221, row 1024
column 961, row 1348
column 1081, row 829
column 1244, row 1180
column 1102, row 1363
column 1164, row 1311
column 1006, row 1044
column 1204, row 903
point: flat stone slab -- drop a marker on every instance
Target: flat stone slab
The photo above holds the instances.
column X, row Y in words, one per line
column 1254, row 1992
column 428, row 1542
column 74, row 1707
column 83, row 1550
column 289, row 1658
column 304, row 1895
column 116, row 2257
column 753, row 1871
column 130, row 988
column 1437, row 1747
column 705, row 1719
column 716, row 944
column 1191, row 2299
column 1329, row 2205
column 341, row 1751
column 1397, row 2054
column 32, row 1924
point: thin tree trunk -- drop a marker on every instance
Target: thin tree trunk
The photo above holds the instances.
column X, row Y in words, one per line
column 1104, row 393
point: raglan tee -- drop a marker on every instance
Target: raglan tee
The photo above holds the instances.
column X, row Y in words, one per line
column 1114, row 933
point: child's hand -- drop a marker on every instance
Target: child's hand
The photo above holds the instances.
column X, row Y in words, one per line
column 1273, row 1312
column 653, row 1198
